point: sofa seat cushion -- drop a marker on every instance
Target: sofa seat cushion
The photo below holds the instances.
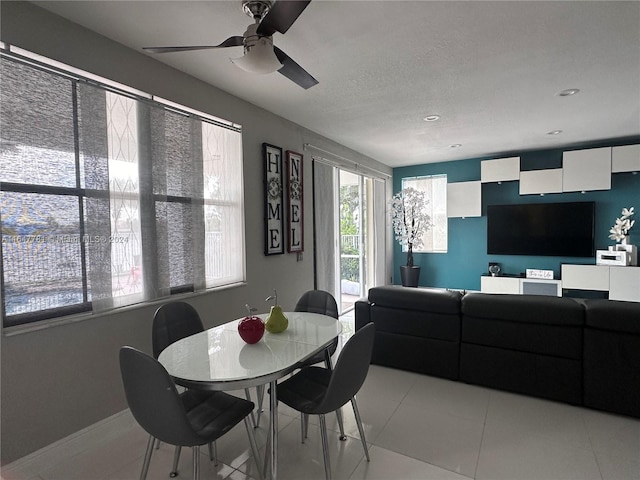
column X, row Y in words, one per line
column 613, row 315
column 526, row 323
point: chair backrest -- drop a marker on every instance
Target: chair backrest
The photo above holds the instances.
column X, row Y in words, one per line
column 172, row 322
column 350, row 371
column 318, row 301
column 154, row 400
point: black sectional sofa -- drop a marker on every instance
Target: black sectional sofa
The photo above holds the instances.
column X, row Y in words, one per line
column 583, row 352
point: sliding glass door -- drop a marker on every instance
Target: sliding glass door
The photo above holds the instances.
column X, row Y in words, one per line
column 349, row 233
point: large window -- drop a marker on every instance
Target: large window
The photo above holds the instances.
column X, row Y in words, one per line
column 435, row 190
column 109, row 199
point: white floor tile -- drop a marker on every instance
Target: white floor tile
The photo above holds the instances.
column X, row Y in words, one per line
column 386, row 465
column 444, row 440
column 449, row 397
column 508, row 453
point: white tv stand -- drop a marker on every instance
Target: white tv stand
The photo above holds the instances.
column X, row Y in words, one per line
column 520, row 285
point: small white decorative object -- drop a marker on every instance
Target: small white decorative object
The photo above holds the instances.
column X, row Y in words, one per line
column 622, row 226
column 620, row 233
column 541, row 274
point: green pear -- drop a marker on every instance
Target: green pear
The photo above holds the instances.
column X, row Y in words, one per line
column 276, row 321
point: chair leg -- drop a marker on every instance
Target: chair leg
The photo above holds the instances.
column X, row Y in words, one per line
column 329, row 365
column 254, row 446
column 196, row 463
column 342, row 436
column 360, row 429
column 260, row 395
column 213, row 453
column 176, row 459
column 247, row 395
column 325, row 447
column 304, row 426
column 158, row 444
column 147, row 458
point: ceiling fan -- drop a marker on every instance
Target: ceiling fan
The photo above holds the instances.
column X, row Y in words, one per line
column 260, row 55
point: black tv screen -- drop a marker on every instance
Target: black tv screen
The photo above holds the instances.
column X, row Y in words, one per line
column 544, row 229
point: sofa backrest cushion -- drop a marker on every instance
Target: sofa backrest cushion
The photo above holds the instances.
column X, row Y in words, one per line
column 540, row 325
column 540, row 309
column 420, row 312
column 613, row 315
column 436, row 300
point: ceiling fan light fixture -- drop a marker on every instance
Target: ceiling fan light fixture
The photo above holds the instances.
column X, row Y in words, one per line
column 259, row 58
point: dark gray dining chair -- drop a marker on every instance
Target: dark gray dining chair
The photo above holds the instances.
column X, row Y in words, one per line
column 190, row 419
column 322, row 302
column 318, row 391
column 174, row 321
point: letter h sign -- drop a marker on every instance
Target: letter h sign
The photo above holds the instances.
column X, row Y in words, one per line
column 274, row 200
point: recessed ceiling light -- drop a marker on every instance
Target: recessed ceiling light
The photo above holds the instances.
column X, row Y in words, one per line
column 568, row 92
column 431, row 118
column 455, row 145
column 554, row 132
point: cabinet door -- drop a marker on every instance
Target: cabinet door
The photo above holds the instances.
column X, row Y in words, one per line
column 541, row 181
column 584, row 170
column 624, row 283
column 500, row 170
column 464, row 199
column 625, row 159
column 500, row 285
column 585, row 277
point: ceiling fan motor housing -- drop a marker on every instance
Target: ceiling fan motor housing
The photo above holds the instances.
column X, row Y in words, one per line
column 256, row 9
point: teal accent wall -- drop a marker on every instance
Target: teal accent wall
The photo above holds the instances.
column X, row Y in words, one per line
column 467, row 260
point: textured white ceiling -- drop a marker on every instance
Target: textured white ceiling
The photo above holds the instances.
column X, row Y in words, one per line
column 491, row 70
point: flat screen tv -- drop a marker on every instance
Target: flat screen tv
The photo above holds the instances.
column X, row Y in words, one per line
column 542, row 229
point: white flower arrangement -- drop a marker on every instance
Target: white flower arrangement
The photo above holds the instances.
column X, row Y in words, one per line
column 410, row 219
column 623, row 225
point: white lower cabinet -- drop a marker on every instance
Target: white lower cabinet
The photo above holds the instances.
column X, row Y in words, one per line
column 500, row 285
column 622, row 283
column 521, row 286
column 585, row 277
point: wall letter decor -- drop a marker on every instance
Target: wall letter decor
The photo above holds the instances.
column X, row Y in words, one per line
column 274, row 200
column 295, row 203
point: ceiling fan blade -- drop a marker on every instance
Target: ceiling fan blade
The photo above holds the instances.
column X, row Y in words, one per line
column 293, row 71
column 229, row 42
column 281, row 16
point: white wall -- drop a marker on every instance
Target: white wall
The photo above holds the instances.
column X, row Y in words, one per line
column 61, row 379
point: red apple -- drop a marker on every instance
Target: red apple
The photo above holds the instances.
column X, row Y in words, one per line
column 251, row 329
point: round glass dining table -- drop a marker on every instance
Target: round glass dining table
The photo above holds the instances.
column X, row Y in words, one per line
column 218, row 359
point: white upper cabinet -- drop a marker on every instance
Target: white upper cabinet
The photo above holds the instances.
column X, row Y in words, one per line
column 625, row 159
column 464, row 199
column 585, row 170
column 541, row 181
column 500, row 170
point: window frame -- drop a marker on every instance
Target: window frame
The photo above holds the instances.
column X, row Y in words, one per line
column 442, row 209
column 42, row 318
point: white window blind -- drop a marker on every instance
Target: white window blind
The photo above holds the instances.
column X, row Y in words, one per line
column 107, row 199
